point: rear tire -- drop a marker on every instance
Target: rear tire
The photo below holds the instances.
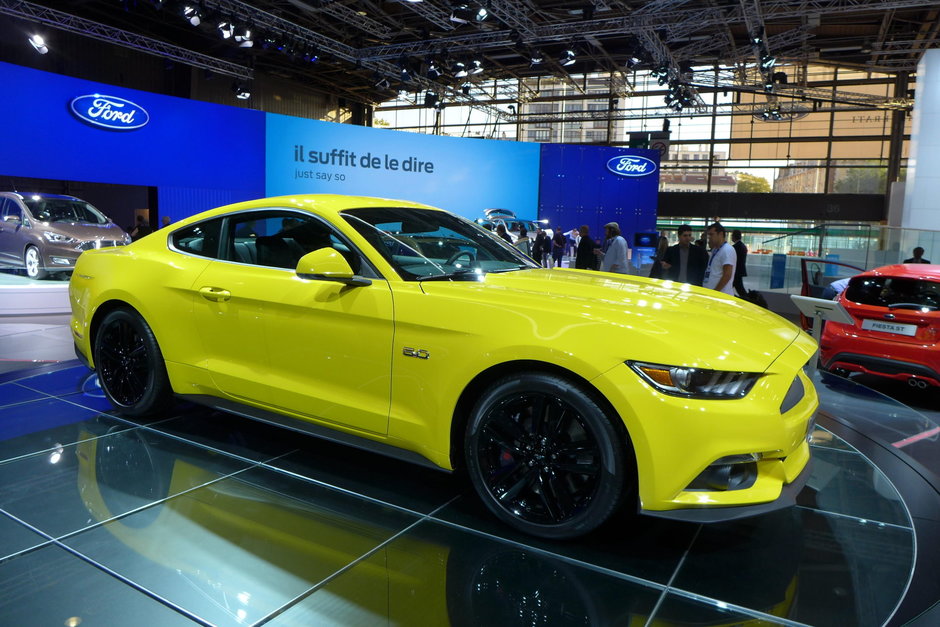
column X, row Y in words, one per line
column 32, row 260
column 545, row 458
column 130, row 366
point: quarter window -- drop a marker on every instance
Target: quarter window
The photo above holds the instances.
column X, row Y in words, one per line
column 199, row 239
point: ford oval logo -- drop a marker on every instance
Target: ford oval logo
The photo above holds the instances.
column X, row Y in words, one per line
column 109, row 112
column 630, row 165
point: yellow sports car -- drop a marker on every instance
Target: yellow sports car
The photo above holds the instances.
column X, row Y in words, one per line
column 410, row 331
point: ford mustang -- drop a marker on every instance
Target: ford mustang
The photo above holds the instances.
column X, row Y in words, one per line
column 407, row 330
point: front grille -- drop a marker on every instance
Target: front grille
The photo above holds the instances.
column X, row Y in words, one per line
column 99, row 243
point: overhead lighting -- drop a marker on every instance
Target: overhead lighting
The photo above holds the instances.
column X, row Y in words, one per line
column 434, row 72
column 567, row 58
column 243, row 37
column 431, row 100
column 476, row 66
column 465, row 88
column 311, row 54
column 767, row 62
column 460, row 70
column 241, row 90
column 38, row 43
column 192, row 14
column 537, row 58
column 383, row 84
column 463, row 14
column 226, row 29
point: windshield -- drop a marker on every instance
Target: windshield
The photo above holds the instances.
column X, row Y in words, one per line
column 424, row 244
column 64, row 210
column 889, row 291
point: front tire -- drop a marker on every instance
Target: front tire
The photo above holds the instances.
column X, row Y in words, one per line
column 130, row 366
column 544, row 457
column 32, row 260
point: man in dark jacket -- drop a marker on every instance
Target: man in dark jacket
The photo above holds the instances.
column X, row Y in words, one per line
column 918, row 256
column 685, row 262
column 541, row 247
column 740, row 269
column 585, row 259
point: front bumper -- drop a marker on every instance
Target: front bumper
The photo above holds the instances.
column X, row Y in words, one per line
column 682, row 445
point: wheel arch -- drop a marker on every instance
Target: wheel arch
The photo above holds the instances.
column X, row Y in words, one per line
column 487, row 377
column 100, row 313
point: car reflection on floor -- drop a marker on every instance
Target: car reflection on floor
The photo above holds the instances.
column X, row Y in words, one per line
column 216, row 519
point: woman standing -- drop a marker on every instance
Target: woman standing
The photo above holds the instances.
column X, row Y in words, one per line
column 584, row 258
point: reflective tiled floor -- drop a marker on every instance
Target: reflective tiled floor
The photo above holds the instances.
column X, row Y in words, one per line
column 203, row 517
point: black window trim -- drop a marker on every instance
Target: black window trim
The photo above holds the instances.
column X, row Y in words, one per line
column 366, row 269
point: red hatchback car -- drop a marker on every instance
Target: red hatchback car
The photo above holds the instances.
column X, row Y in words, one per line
column 897, row 325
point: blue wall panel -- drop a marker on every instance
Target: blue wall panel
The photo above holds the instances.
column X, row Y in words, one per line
column 184, row 144
column 576, row 187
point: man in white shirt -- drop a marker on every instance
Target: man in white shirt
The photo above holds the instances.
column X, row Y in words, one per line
column 614, row 258
column 719, row 274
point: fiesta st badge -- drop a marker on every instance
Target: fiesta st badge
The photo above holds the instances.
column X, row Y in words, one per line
column 631, row 165
column 109, row 112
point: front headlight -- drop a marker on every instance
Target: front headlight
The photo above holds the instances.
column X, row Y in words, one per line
column 695, row 382
column 57, row 238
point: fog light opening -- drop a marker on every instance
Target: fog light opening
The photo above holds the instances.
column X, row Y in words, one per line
column 62, row 261
column 734, row 472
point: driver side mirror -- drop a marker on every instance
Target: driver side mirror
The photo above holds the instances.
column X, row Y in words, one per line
column 12, row 219
column 326, row 264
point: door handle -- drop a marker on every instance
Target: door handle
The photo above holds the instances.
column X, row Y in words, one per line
column 216, row 294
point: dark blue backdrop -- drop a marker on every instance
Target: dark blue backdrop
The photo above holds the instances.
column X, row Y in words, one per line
column 576, row 187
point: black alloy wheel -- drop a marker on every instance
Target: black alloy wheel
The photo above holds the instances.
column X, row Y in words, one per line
column 544, row 457
column 130, row 365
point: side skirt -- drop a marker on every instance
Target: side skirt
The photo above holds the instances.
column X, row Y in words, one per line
column 324, row 433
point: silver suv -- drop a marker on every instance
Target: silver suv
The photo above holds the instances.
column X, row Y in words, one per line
column 46, row 233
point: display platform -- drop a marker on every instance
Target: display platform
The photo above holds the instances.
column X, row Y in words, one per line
column 40, row 302
column 202, row 517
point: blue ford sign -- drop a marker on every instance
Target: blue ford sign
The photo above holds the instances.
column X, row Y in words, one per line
column 109, row 112
column 631, row 165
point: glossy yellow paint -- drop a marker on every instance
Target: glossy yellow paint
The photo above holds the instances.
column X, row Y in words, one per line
column 336, row 355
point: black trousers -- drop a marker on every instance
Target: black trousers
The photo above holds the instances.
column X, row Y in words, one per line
column 739, row 286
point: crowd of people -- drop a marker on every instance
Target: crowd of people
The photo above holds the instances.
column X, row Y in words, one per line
column 711, row 262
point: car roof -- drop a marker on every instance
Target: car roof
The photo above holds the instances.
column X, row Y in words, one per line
column 928, row 271
column 22, row 195
column 316, row 203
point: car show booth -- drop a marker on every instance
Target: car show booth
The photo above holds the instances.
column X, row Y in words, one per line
column 200, row 516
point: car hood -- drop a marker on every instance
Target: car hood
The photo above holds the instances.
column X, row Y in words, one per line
column 679, row 324
column 84, row 231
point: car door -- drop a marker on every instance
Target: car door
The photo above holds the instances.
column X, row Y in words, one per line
column 11, row 221
column 316, row 348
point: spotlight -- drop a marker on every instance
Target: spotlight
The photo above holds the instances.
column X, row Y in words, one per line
column 311, row 55
column 537, row 58
column 383, row 84
column 460, row 70
column 780, row 77
column 226, row 29
column 38, row 44
column 567, row 58
column 192, row 14
column 767, row 62
column 430, row 100
column 465, row 88
column 241, row 90
column 464, row 14
column 476, row 66
column 434, row 72
column 243, row 37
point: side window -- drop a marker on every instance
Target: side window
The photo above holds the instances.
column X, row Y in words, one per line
column 199, row 239
column 278, row 239
column 9, row 208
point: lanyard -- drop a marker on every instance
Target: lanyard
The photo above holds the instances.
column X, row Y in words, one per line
column 715, row 252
